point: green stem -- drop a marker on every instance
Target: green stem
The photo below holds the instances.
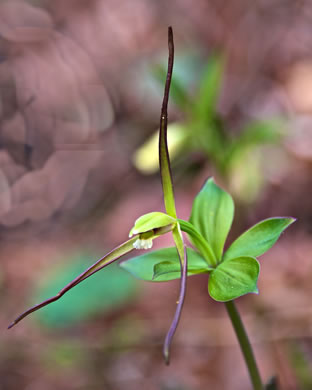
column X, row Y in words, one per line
column 244, row 345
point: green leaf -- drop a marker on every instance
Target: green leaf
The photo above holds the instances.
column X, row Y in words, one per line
column 255, row 133
column 245, row 175
column 259, row 132
column 172, row 269
column 142, row 267
column 234, row 278
column 210, row 85
column 151, row 221
column 258, row 239
column 114, row 287
column 212, row 215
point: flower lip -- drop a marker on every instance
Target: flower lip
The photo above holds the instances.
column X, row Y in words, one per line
column 142, row 243
column 145, row 240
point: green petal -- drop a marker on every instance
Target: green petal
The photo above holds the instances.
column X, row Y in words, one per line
column 143, row 266
column 234, row 278
column 212, row 215
column 151, row 221
column 258, row 239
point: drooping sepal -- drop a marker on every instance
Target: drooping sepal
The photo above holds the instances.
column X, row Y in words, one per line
column 181, row 249
column 109, row 258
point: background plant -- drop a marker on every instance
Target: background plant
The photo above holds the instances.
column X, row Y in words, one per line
column 234, row 155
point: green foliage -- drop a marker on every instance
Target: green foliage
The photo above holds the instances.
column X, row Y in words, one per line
column 204, row 128
column 63, row 355
column 103, row 293
column 234, row 278
column 210, row 85
column 163, row 265
column 301, row 365
column 212, row 215
column 232, row 274
column 199, row 241
column 178, row 86
column 259, row 238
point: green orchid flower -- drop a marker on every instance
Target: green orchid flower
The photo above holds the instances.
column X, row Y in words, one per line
column 147, row 227
column 233, row 272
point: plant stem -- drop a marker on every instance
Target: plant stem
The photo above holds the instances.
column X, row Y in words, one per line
column 244, row 345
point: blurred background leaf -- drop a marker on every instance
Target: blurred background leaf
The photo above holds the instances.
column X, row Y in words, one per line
column 104, row 292
column 210, row 84
column 301, row 365
column 234, row 155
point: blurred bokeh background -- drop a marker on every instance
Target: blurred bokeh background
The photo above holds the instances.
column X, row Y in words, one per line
column 81, row 85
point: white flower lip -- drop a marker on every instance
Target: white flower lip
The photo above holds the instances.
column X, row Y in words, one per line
column 143, row 244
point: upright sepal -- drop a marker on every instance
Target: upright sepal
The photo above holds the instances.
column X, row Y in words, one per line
column 258, row 239
column 212, row 215
column 164, row 161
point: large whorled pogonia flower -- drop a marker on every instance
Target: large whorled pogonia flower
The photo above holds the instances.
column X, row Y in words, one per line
column 149, row 226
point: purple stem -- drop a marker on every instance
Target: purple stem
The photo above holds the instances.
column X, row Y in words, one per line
column 176, row 319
